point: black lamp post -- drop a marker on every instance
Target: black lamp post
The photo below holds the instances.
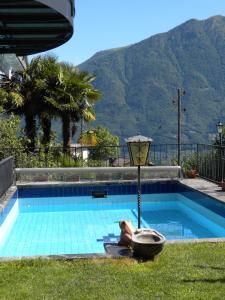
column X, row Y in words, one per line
column 220, row 130
column 138, row 147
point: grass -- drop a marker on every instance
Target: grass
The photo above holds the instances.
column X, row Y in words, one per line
column 182, row 271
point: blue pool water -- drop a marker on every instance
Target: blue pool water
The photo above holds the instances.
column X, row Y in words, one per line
column 56, row 224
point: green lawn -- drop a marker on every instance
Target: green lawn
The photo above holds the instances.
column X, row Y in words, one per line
column 182, row 271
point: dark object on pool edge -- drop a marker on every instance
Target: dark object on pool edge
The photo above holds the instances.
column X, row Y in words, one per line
column 99, row 194
column 147, row 243
column 114, row 250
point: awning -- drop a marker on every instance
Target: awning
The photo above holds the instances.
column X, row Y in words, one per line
column 29, row 26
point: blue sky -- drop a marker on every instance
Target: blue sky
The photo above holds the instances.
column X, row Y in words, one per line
column 105, row 24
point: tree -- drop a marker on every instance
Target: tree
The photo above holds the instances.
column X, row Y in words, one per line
column 45, row 90
column 25, row 93
column 10, row 133
column 107, row 144
column 46, row 72
column 88, row 137
column 73, row 100
column 17, row 96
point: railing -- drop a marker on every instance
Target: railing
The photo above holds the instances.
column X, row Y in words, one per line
column 107, row 156
column 211, row 162
column 208, row 159
column 6, row 175
column 166, row 154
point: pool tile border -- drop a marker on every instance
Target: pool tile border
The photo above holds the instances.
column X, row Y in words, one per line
column 112, row 188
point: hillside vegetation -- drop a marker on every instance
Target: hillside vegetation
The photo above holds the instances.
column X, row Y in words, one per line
column 139, row 83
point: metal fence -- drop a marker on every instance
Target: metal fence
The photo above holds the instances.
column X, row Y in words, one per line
column 107, row 156
column 209, row 160
column 6, row 175
column 166, row 154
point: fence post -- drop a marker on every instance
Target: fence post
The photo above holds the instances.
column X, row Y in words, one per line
column 197, row 154
column 13, row 170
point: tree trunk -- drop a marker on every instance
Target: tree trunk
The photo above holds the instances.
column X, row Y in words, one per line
column 30, row 131
column 66, row 132
column 46, row 127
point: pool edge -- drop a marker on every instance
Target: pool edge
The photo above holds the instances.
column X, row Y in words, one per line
column 103, row 255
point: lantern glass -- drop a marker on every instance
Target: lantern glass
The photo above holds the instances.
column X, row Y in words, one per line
column 219, row 127
column 138, row 147
column 139, row 153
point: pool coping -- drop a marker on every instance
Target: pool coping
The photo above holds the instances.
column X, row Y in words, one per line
column 104, row 255
column 6, row 197
column 205, row 187
column 87, row 182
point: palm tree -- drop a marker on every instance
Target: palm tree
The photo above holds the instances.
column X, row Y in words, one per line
column 25, row 94
column 18, row 95
column 73, row 99
column 48, row 89
column 79, row 84
column 47, row 73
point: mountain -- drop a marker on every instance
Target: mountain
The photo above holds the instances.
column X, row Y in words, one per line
column 139, row 83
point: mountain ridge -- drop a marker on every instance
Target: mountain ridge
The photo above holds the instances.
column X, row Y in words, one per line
column 140, row 81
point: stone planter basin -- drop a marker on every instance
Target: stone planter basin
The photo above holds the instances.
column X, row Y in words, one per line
column 147, row 243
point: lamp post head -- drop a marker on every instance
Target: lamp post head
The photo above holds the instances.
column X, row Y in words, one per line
column 138, row 147
column 219, row 127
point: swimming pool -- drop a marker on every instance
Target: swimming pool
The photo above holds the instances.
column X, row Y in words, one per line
column 69, row 220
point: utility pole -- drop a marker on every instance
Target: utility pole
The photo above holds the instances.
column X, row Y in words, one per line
column 221, row 162
column 220, row 131
column 81, row 134
column 180, row 93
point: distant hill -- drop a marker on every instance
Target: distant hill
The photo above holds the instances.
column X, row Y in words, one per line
column 140, row 81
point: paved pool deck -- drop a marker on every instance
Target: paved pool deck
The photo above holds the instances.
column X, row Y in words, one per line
column 206, row 187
